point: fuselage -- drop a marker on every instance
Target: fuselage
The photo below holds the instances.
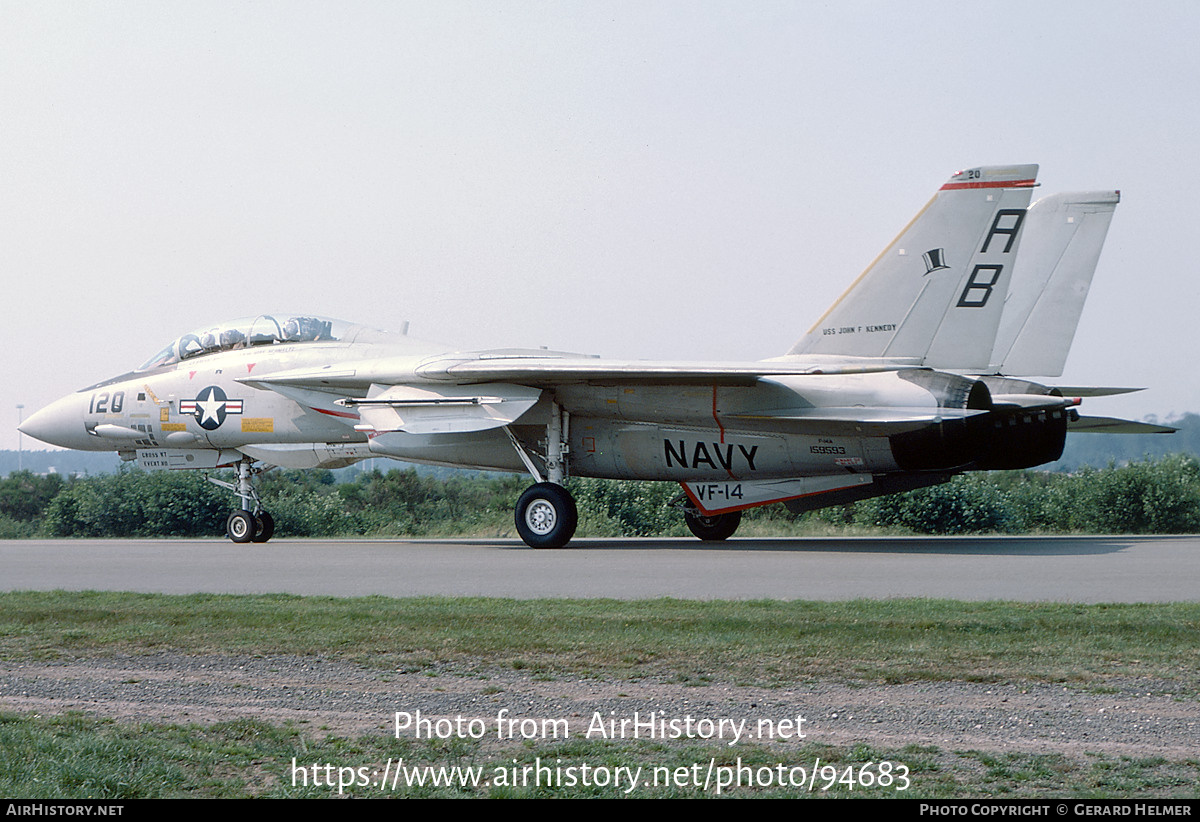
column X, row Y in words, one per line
column 210, row 407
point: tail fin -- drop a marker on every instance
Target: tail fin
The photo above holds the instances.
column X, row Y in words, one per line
column 1063, row 238
column 935, row 295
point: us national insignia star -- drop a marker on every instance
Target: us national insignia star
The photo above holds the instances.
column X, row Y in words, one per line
column 210, row 407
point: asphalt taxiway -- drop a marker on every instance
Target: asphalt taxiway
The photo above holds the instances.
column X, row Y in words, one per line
column 1031, row 569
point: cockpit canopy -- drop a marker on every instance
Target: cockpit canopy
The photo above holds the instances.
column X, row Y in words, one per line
column 264, row 329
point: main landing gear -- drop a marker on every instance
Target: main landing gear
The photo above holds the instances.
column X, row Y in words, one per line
column 251, row 523
column 713, row 528
column 546, row 515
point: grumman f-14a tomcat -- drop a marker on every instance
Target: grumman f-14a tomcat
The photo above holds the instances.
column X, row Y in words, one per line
column 917, row 373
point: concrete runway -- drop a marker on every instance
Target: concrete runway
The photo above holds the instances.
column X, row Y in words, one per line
column 1032, row 569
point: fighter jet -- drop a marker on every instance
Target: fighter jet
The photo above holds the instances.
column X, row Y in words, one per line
column 916, row 374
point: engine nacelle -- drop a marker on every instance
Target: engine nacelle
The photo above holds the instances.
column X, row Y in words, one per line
column 1010, row 435
column 1023, row 439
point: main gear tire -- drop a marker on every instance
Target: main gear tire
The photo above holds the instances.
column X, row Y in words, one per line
column 713, row 528
column 546, row 516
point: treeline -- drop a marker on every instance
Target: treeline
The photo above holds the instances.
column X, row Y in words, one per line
column 1159, row 496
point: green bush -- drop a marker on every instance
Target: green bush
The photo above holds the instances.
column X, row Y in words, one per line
column 965, row 505
column 634, row 509
column 138, row 504
column 1154, row 496
column 403, row 502
column 1149, row 497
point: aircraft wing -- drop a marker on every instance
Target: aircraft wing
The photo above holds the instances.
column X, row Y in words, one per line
column 552, row 371
column 546, row 371
column 462, row 393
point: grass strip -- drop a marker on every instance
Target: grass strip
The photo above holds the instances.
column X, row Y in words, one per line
column 75, row 756
column 767, row 643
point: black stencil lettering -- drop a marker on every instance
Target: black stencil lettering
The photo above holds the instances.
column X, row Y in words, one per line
column 1017, row 215
column 727, row 460
column 749, row 455
column 701, row 449
column 678, row 455
column 978, row 290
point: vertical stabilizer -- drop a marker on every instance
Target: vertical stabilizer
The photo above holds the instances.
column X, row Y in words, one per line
column 1064, row 235
column 937, row 291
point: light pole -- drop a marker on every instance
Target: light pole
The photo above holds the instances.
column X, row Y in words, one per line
column 20, row 414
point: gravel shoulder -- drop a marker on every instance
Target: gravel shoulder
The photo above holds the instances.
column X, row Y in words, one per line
column 1135, row 719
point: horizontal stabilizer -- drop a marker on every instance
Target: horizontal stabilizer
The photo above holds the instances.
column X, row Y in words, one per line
column 1112, row 425
column 1093, row 390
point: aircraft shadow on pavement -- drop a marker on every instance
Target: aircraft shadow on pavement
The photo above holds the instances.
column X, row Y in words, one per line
column 967, row 545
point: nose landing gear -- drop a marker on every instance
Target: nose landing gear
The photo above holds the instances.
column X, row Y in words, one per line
column 251, row 523
column 243, row 526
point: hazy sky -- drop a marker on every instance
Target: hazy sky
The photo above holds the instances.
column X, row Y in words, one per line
column 691, row 180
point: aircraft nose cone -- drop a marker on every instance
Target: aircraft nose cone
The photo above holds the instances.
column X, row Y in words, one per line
column 59, row 423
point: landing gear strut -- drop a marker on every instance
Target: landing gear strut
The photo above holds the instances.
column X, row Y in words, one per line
column 251, row 523
column 546, row 515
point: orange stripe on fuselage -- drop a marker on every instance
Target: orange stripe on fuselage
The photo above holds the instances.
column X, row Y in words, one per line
column 720, row 428
column 990, row 184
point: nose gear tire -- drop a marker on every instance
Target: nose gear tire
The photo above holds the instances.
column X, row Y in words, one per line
column 265, row 527
column 241, row 527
